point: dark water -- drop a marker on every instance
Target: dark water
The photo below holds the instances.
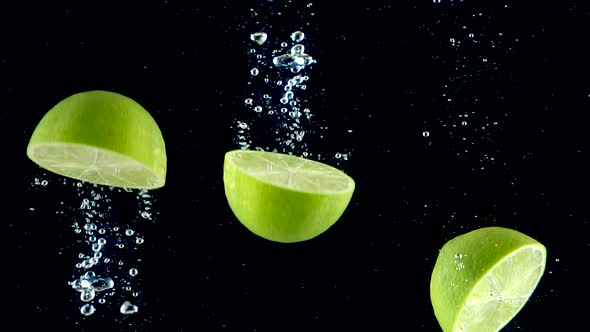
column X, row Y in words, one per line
column 454, row 115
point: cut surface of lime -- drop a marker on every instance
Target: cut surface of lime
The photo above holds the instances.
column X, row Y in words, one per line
column 483, row 278
column 103, row 138
column 282, row 197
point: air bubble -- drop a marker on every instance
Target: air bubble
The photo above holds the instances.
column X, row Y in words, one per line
column 254, row 71
column 297, row 36
column 127, row 308
column 259, row 37
column 87, row 309
column 96, row 247
column 257, row 109
column 129, row 232
column 133, row 272
column 297, row 50
column 248, row 101
column 87, row 294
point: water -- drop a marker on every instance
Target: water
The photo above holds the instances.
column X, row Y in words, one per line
column 450, row 115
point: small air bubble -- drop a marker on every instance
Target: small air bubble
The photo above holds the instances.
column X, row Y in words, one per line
column 133, row 272
column 425, row 134
column 297, row 36
column 259, row 37
column 127, row 308
column 257, row 109
column 129, row 232
column 297, row 49
column 139, row 240
column 254, row 71
column 96, row 247
column 248, row 101
column 87, row 309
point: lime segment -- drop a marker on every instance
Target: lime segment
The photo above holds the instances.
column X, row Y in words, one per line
column 284, row 198
column 482, row 279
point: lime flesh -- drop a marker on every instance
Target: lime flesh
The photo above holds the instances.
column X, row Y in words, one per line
column 101, row 137
column 483, row 278
column 284, row 198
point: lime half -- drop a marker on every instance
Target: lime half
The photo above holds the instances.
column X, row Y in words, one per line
column 101, row 137
column 284, row 198
column 483, row 278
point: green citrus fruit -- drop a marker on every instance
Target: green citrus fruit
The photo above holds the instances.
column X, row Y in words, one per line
column 284, row 198
column 483, row 278
column 101, row 137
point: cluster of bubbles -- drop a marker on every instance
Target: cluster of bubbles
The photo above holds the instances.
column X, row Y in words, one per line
column 99, row 235
column 470, row 47
column 278, row 99
column 107, row 269
column 287, row 69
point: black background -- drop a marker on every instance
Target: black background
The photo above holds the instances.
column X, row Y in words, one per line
column 381, row 72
